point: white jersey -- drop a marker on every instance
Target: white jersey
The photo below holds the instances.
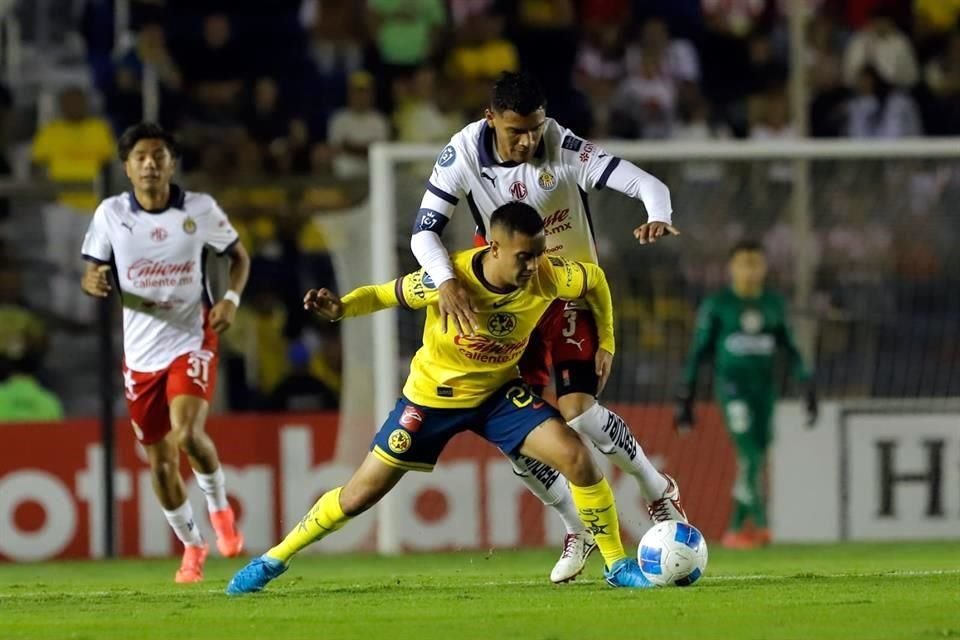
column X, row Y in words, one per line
column 555, row 182
column 158, row 262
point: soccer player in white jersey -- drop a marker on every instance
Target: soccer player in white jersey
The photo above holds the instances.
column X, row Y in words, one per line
column 516, row 153
column 151, row 243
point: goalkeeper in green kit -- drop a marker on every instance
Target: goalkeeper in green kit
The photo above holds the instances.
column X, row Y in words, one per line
column 743, row 327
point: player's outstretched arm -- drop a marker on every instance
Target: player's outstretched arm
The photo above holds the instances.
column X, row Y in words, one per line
column 632, row 181
column 410, row 292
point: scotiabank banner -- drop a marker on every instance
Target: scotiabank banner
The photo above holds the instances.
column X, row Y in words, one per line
column 51, row 488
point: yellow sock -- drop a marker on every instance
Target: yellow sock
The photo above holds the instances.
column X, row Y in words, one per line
column 325, row 517
column 598, row 510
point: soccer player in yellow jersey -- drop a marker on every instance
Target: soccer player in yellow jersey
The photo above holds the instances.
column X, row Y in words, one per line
column 460, row 383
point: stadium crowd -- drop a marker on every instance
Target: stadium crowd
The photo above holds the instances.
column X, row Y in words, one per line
column 275, row 111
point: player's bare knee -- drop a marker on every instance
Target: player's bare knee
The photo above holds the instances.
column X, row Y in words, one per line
column 582, row 469
column 188, row 440
column 574, row 405
column 165, row 470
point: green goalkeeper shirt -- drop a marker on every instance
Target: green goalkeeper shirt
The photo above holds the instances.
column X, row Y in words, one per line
column 744, row 336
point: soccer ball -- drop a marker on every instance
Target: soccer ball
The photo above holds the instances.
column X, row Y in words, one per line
column 673, row 553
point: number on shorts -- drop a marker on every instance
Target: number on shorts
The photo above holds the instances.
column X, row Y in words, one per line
column 520, row 396
column 571, row 327
column 738, row 416
column 199, row 366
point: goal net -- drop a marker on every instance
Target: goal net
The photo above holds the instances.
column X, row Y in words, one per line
column 859, row 236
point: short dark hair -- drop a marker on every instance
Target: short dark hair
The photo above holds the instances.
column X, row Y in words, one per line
column 145, row 131
column 518, row 92
column 517, row 217
column 748, row 244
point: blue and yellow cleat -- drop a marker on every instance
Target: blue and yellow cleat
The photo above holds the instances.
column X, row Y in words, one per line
column 626, row 573
column 255, row 576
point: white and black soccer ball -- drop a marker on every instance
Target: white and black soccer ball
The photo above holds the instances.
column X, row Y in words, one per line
column 673, row 553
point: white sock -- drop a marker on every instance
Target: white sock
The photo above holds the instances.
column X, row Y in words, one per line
column 545, row 483
column 214, row 489
column 613, row 438
column 182, row 523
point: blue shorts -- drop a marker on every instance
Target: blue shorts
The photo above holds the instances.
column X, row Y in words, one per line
column 413, row 436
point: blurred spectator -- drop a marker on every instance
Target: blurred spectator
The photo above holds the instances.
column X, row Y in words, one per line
column 256, row 348
column 880, row 110
column 71, row 149
column 824, row 73
column 425, row 112
column 300, row 390
column 765, row 71
column 599, row 68
column 737, row 18
column 23, row 336
column 546, row 35
column 882, row 45
column 675, row 57
column 942, row 96
column 213, row 70
column 337, row 33
column 405, row 32
column 645, row 103
column 124, row 102
column 933, row 20
column 476, row 59
column 282, row 137
column 353, row 129
column 22, row 398
column 771, row 122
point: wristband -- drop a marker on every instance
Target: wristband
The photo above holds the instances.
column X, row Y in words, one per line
column 233, row 297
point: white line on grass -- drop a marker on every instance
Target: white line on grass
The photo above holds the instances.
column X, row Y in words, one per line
column 514, row 583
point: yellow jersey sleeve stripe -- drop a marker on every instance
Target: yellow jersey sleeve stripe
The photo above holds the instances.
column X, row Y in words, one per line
column 389, row 460
column 583, row 289
column 398, row 290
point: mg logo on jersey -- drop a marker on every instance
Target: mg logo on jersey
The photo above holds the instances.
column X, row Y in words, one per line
column 159, row 234
column 518, row 190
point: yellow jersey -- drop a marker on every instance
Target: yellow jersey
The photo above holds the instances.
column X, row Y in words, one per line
column 75, row 152
column 451, row 371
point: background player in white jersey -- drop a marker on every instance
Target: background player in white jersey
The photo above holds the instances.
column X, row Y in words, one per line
column 151, row 242
column 517, row 153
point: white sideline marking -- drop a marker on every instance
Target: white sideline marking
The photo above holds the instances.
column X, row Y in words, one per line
column 13, row 594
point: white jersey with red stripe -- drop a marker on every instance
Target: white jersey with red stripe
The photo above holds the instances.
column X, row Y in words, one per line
column 555, row 182
column 158, row 260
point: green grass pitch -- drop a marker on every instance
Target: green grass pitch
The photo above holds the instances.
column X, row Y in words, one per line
column 870, row 591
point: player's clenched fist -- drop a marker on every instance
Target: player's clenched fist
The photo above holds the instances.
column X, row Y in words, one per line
column 222, row 315
column 324, row 303
column 95, row 281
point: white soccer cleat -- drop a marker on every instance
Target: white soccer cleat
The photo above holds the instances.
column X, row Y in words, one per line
column 577, row 547
column 667, row 507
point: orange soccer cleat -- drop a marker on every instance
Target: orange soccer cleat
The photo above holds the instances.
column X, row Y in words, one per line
column 191, row 567
column 229, row 538
column 739, row 540
column 762, row 536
